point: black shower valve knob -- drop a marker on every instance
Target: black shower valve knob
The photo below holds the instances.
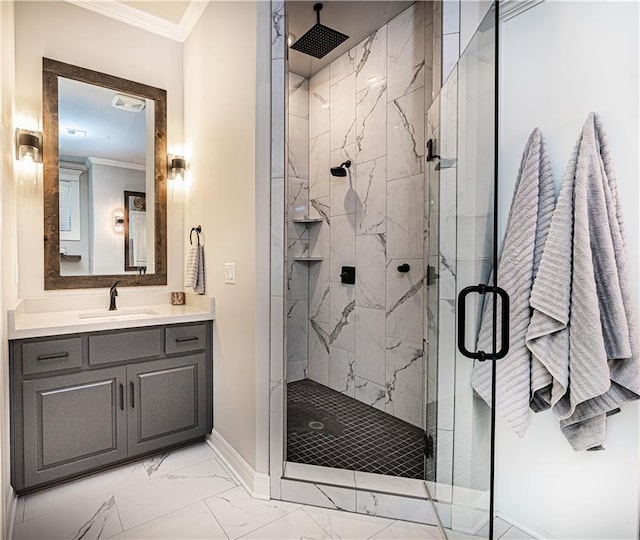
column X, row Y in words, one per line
column 404, row 268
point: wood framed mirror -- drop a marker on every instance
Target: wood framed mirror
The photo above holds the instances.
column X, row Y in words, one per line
column 102, row 136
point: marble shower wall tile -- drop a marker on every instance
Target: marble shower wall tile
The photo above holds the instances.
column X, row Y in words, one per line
column 298, row 198
column 319, row 240
column 297, row 326
column 371, row 59
column 319, row 292
column 319, row 165
column 297, row 370
column 370, row 345
column 371, row 120
column 342, row 370
column 405, row 300
column 343, row 66
column 405, row 135
column 343, row 112
column 343, row 244
column 405, row 218
column 342, row 316
column 371, row 197
column 370, row 393
column 319, row 352
column 437, row 48
column 405, row 38
column 404, row 372
column 320, row 208
column 370, row 278
column 319, row 95
column 298, row 96
column 298, row 147
column 277, row 29
column 343, row 189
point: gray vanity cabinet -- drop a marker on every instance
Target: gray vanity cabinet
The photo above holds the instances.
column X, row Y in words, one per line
column 72, row 423
column 166, row 402
column 83, row 402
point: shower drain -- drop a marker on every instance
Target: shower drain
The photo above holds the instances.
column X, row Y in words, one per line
column 316, row 425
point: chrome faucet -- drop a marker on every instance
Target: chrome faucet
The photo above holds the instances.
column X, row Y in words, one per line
column 113, row 292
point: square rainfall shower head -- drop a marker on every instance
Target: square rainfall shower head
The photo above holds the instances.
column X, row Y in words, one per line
column 319, row 40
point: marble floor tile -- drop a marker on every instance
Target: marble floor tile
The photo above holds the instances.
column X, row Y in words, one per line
column 149, row 500
column 66, row 495
column 400, row 530
column 341, row 525
column 177, row 459
column 194, row 521
column 89, row 518
column 239, row 514
column 295, row 525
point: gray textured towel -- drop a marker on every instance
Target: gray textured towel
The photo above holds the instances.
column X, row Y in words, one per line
column 529, row 219
column 583, row 329
column 194, row 273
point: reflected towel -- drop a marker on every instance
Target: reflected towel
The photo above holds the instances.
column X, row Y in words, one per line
column 527, row 227
column 582, row 328
column 194, row 273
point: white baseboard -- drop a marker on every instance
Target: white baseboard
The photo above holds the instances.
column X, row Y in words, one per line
column 12, row 505
column 257, row 484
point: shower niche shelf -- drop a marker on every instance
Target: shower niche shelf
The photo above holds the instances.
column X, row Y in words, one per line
column 308, row 259
column 308, row 221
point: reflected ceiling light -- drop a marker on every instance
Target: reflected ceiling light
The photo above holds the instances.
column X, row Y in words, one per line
column 128, row 103
column 28, row 145
column 75, row 132
column 291, row 38
column 372, row 79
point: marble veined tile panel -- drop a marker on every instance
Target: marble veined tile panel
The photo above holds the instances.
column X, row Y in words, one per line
column 405, row 135
column 405, row 46
column 371, row 197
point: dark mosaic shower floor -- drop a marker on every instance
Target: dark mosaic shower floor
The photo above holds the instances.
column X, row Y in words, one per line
column 327, row 428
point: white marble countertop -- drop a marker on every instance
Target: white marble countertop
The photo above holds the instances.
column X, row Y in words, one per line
column 54, row 316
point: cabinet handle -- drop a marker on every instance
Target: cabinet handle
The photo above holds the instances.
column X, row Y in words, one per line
column 133, row 398
column 121, row 397
column 184, row 339
column 53, row 356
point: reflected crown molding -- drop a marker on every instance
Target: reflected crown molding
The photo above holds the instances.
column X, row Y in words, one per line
column 512, row 8
column 141, row 19
column 114, row 163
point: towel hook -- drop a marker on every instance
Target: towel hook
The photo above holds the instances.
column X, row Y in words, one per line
column 198, row 230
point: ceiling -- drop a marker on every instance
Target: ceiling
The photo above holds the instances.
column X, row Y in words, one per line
column 357, row 19
column 110, row 133
column 172, row 11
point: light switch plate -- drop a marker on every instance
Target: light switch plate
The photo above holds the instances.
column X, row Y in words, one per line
column 230, row 273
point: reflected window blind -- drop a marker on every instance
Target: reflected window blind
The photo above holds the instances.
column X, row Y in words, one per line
column 65, row 206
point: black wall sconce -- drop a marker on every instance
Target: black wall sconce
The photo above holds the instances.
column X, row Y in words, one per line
column 28, row 145
column 177, row 167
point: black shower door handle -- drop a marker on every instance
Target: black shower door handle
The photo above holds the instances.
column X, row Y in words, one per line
column 462, row 316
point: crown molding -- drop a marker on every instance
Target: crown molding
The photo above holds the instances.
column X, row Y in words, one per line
column 145, row 21
column 510, row 9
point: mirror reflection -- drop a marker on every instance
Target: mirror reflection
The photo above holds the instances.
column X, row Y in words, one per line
column 105, row 138
column 105, row 172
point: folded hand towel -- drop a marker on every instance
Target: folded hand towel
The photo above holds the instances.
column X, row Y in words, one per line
column 582, row 328
column 194, row 273
column 529, row 219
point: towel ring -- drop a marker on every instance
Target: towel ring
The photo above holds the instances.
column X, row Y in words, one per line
column 198, row 230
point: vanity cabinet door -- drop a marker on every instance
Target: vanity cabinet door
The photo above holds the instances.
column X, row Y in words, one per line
column 73, row 423
column 166, row 402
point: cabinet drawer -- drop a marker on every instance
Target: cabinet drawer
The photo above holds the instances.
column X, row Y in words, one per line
column 51, row 355
column 131, row 345
column 185, row 338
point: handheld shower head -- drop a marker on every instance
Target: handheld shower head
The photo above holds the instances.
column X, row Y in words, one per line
column 341, row 171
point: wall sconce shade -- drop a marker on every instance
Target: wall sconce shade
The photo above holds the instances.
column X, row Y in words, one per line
column 28, row 145
column 177, row 167
column 118, row 221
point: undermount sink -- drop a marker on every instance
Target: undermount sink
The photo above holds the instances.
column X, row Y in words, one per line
column 112, row 315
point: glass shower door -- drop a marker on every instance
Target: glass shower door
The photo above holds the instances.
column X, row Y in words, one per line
column 460, row 254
